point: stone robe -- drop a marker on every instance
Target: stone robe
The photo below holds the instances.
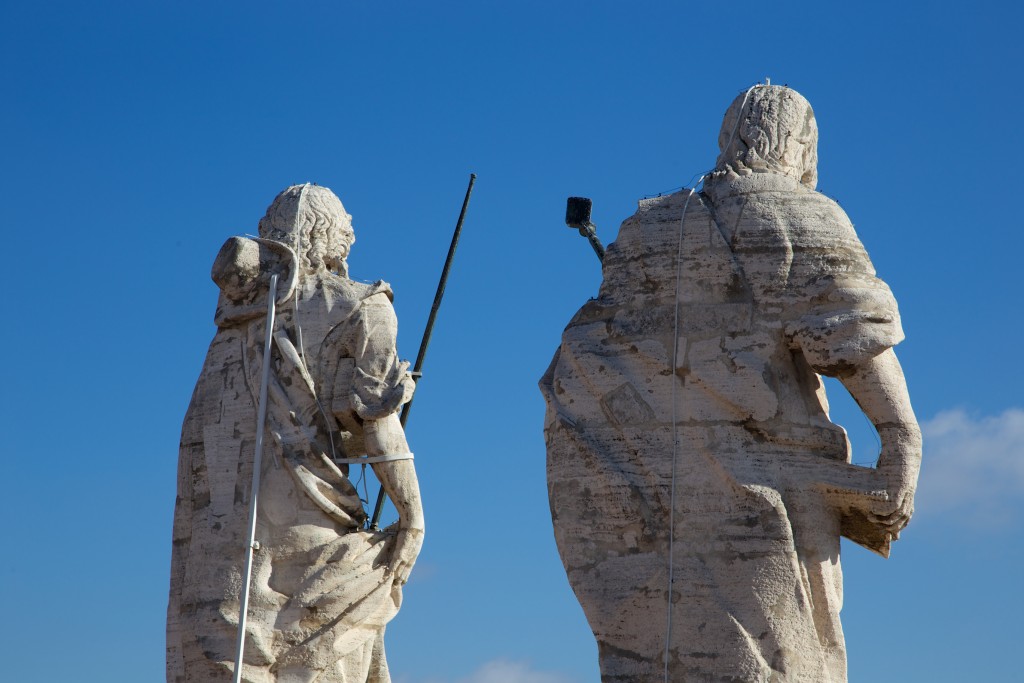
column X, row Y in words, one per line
column 772, row 287
column 320, row 595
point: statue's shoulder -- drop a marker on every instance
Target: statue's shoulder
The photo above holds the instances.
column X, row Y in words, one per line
column 359, row 291
column 828, row 216
column 661, row 201
column 777, row 190
column 649, row 206
column 242, row 270
column 663, row 209
column 824, row 201
column 355, row 306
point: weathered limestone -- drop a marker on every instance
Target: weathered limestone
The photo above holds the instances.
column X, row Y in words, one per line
column 687, row 425
column 323, row 588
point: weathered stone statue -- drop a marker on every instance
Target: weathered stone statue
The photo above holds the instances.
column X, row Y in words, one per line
column 323, row 587
column 698, row 488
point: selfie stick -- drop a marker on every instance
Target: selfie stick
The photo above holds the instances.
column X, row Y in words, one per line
column 577, row 215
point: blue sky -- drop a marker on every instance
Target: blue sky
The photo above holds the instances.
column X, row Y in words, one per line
column 138, row 136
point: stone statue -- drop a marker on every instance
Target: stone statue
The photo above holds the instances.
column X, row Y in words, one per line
column 698, row 488
column 323, row 586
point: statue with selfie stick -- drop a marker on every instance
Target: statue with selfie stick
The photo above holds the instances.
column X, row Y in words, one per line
column 698, row 488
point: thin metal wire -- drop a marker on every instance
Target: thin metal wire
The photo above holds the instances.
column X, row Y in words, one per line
column 675, row 407
column 296, row 243
column 739, row 116
column 366, row 489
column 675, row 433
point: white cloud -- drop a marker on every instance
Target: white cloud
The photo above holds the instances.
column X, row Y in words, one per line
column 973, row 466
column 508, row 671
column 505, row 671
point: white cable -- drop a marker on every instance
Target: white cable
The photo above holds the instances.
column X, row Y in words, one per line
column 675, row 434
column 739, row 117
column 370, row 459
column 675, row 413
column 298, row 324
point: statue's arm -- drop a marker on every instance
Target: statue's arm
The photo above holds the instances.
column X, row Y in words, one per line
column 382, row 386
column 398, row 477
column 878, row 386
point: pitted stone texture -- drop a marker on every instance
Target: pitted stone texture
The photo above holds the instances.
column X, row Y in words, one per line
column 323, row 588
column 686, row 412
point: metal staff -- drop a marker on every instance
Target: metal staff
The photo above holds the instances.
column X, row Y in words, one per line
column 378, row 508
column 261, row 421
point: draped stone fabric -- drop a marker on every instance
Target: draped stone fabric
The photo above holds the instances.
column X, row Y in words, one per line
column 698, row 363
column 321, row 592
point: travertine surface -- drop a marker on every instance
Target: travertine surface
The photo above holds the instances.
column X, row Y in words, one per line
column 688, row 430
column 323, row 588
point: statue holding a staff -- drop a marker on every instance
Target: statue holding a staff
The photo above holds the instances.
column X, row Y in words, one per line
column 323, row 586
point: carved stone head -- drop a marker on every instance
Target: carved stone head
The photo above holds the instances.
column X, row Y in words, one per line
column 770, row 128
column 312, row 221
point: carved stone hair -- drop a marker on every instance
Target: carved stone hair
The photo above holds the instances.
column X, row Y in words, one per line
column 776, row 132
column 311, row 220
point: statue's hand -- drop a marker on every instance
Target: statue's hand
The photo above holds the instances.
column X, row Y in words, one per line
column 894, row 515
column 899, row 466
column 403, row 557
